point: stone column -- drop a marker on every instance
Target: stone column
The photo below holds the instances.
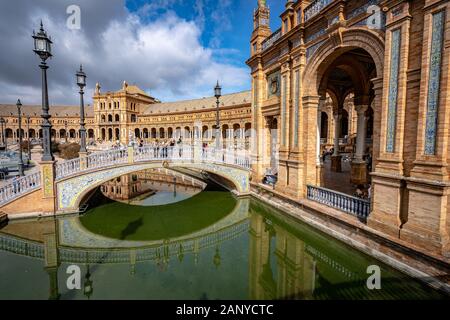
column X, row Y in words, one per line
column 319, row 163
column 361, row 132
column 336, row 157
column 359, row 168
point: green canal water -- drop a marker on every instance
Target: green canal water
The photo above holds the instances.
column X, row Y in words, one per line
column 209, row 246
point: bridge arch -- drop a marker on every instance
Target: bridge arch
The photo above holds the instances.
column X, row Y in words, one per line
column 71, row 191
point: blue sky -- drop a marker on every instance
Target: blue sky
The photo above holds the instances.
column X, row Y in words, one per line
column 226, row 26
column 173, row 49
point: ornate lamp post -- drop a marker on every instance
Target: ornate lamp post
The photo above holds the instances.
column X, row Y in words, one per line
column 28, row 135
column 19, row 118
column 81, row 81
column 66, row 133
column 218, row 94
column 217, row 259
column 42, row 47
column 3, row 124
column 88, row 289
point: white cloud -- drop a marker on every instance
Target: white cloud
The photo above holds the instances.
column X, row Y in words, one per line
column 164, row 56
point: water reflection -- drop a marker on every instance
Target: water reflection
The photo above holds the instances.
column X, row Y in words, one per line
column 152, row 187
column 250, row 252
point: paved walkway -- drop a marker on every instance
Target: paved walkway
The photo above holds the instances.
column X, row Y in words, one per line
column 338, row 181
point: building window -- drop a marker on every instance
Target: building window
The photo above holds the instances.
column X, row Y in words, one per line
column 286, row 26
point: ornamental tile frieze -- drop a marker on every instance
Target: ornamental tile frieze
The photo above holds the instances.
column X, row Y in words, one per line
column 434, row 82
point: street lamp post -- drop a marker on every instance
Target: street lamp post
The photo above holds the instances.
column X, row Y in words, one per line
column 28, row 136
column 42, row 47
column 66, row 133
column 81, row 81
column 2, row 122
column 19, row 118
column 218, row 94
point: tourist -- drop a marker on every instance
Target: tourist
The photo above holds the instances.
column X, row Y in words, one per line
column 180, row 148
column 16, row 184
column 359, row 191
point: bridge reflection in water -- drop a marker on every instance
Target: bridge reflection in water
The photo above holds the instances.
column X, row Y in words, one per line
column 233, row 249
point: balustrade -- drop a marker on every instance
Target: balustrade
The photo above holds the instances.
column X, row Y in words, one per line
column 355, row 206
column 315, row 7
column 109, row 158
column 271, row 39
column 19, row 187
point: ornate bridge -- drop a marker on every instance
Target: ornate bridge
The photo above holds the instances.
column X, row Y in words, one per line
column 63, row 185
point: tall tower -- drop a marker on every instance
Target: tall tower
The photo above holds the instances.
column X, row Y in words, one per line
column 261, row 26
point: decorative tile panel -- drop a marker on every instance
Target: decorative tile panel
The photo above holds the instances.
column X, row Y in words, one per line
column 434, row 79
column 283, row 111
column 393, row 90
column 273, row 84
column 316, row 34
column 363, row 9
column 311, row 50
column 296, row 106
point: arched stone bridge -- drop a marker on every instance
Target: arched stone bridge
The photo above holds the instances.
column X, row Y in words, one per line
column 62, row 186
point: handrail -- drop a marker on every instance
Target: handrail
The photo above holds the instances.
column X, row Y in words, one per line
column 344, row 202
column 109, row 158
column 151, row 153
column 19, row 187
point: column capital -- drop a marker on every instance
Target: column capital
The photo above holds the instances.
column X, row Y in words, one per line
column 361, row 109
column 377, row 83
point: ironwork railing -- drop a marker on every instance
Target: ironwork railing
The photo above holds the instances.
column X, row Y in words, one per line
column 355, row 206
column 315, row 7
column 19, row 187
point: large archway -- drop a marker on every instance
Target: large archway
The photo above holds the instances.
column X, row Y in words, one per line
column 343, row 68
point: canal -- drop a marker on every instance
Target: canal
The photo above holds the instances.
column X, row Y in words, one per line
column 163, row 235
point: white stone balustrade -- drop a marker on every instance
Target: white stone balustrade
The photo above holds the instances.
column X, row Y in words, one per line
column 19, row 187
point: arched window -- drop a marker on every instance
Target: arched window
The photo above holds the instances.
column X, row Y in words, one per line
column 133, row 118
column 117, row 118
column 110, row 117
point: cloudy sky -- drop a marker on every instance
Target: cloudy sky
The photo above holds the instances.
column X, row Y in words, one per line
column 173, row 49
